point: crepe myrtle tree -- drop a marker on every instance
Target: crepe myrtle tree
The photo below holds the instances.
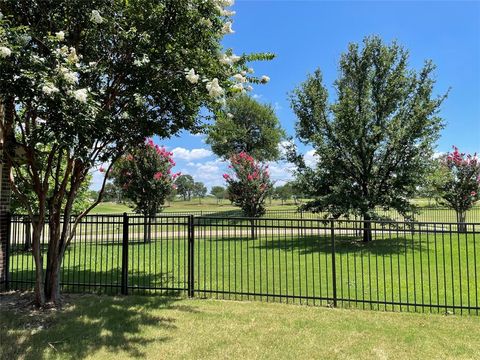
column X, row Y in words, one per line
column 145, row 177
column 458, row 183
column 248, row 186
column 372, row 141
column 81, row 82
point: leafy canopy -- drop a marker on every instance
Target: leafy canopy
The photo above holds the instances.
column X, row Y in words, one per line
column 374, row 139
column 82, row 82
column 248, row 126
column 185, row 186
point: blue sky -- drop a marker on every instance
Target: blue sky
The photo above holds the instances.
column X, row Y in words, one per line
column 309, row 34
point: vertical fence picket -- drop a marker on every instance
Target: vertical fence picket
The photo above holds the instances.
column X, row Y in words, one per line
column 334, row 268
column 125, row 255
column 191, row 256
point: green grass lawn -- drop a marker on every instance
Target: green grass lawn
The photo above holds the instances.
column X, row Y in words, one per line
column 438, row 269
column 157, row 327
column 275, row 209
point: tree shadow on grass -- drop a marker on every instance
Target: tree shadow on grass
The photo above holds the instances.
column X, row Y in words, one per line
column 86, row 324
column 343, row 245
column 75, row 279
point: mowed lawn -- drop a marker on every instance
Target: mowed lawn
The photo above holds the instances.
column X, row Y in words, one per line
column 276, row 209
column 157, row 327
column 428, row 268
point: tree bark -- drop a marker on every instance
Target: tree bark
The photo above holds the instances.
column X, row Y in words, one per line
column 38, row 259
column 461, row 219
column 147, row 228
column 367, row 228
column 27, row 233
column 252, row 229
column 52, row 280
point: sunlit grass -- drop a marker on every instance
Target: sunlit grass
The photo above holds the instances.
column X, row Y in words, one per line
column 158, row 327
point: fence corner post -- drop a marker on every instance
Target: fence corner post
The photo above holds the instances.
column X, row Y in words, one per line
column 124, row 286
column 191, row 257
column 334, row 270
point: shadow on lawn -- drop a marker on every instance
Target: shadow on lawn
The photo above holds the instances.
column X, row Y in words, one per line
column 76, row 279
column 343, row 245
column 85, row 325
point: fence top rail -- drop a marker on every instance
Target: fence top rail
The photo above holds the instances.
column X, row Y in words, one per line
column 114, row 219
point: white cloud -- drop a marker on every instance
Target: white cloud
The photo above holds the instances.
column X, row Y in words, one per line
column 189, row 155
column 282, row 147
column 277, row 106
column 310, row 158
column 257, row 96
column 209, row 172
column 438, row 154
column 281, row 172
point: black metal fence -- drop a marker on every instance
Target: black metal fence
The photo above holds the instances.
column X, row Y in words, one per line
column 424, row 214
column 406, row 267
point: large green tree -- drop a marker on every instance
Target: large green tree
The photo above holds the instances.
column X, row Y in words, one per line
column 373, row 140
column 218, row 192
column 199, row 190
column 185, row 186
column 247, row 126
column 82, row 81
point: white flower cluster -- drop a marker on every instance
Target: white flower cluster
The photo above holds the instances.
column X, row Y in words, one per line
column 60, row 35
column 49, row 88
column 69, row 76
column 222, row 4
column 191, row 76
column 5, row 52
column 265, row 79
column 96, row 18
column 227, row 28
column 214, row 88
column 229, row 59
column 80, row 95
column 70, row 54
column 139, row 100
column 140, row 62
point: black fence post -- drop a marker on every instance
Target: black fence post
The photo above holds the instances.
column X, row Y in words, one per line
column 125, row 255
column 191, row 257
column 7, row 252
column 334, row 270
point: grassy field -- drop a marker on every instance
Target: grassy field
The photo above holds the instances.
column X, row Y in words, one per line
column 275, row 209
column 157, row 327
column 438, row 269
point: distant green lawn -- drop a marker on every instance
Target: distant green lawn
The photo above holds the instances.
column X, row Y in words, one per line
column 439, row 269
column 207, row 204
column 158, row 327
column 210, row 205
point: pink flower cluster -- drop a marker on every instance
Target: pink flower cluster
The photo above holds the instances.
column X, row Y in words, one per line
column 246, row 169
column 161, row 151
column 461, row 159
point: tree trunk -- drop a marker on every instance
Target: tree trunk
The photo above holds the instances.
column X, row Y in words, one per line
column 52, row 279
column 461, row 219
column 38, row 259
column 147, row 229
column 367, row 228
column 27, row 234
column 54, row 260
column 252, row 229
